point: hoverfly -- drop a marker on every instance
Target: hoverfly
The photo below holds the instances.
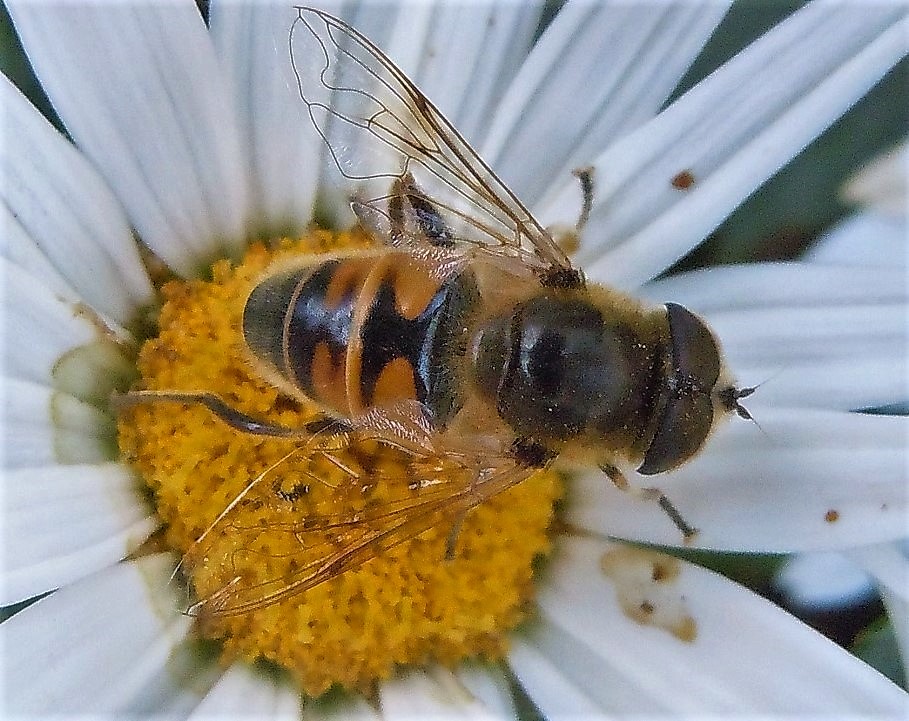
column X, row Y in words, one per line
column 466, row 339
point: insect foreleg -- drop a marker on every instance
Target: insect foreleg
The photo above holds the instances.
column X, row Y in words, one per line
column 236, row 419
column 585, row 177
column 650, row 494
column 569, row 239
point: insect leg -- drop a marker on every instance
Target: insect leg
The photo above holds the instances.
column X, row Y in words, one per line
column 523, row 457
column 651, row 494
column 230, row 415
column 585, row 176
column 531, row 454
column 425, row 215
column 409, row 218
column 569, row 239
column 453, row 536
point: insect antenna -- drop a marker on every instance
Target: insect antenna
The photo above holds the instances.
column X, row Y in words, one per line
column 731, row 397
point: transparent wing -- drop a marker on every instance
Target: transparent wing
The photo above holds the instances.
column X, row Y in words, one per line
column 291, row 530
column 413, row 169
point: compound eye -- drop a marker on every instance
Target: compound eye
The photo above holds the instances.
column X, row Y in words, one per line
column 695, row 354
column 688, row 416
column 682, row 431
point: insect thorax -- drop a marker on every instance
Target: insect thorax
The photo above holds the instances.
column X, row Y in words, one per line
column 565, row 365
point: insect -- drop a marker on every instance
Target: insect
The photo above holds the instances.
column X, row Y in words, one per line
column 466, row 338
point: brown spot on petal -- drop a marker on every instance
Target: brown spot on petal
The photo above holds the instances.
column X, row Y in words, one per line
column 683, row 180
column 687, row 630
column 663, row 571
column 832, row 516
column 645, row 584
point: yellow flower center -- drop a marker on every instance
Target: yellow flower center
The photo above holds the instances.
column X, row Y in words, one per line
column 409, row 604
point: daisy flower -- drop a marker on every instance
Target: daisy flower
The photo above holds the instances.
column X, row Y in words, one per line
column 186, row 144
column 820, row 582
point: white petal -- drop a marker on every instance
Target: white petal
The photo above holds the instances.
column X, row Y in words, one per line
column 42, row 426
column 779, row 336
column 731, row 652
column 489, row 686
column 68, row 212
column 573, row 96
column 53, row 342
column 822, row 336
column 406, row 34
column 810, row 480
column 110, row 644
column 883, row 185
column 285, row 152
column 436, row 694
column 21, row 250
column 890, row 567
column 868, row 239
column 817, row 582
column 845, row 384
column 39, row 327
column 556, row 693
column 62, row 523
column 243, row 692
column 768, row 285
column 471, row 53
column 146, row 102
column 349, row 707
column 731, row 133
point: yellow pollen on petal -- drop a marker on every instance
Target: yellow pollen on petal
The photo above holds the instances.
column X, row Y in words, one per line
column 411, row 604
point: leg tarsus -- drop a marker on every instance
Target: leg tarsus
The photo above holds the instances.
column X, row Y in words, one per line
column 585, row 176
column 453, row 534
column 569, row 239
column 651, row 494
column 670, row 510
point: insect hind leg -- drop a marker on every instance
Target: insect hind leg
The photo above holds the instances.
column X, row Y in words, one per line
column 231, row 416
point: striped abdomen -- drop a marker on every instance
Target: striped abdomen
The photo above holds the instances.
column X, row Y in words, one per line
column 351, row 332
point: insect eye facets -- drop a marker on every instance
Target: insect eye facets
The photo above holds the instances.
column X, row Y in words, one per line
column 695, row 354
column 683, row 429
column 688, row 417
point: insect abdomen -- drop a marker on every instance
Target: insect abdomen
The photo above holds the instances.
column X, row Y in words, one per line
column 362, row 331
